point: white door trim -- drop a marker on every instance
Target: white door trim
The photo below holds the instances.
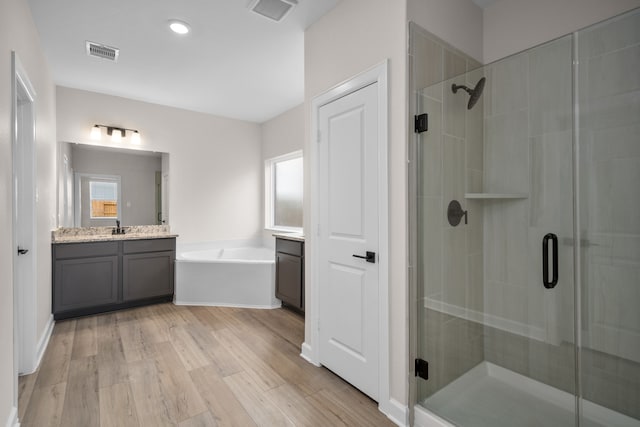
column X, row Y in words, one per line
column 310, row 349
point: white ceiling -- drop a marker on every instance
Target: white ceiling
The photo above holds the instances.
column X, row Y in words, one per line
column 234, row 63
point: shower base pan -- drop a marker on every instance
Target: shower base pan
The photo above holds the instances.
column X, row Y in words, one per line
column 491, row 396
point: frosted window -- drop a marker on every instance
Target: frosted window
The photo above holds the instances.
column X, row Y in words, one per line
column 288, row 190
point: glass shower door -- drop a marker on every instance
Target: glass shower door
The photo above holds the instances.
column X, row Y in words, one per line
column 609, row 164
column 495, row 283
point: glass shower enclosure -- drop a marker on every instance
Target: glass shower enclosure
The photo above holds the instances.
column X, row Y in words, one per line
column 526, row 250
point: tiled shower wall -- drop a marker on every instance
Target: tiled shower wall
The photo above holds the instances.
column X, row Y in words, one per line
column 449, row 258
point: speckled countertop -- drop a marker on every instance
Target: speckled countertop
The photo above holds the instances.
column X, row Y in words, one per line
column 290, row 236
column 102, row 234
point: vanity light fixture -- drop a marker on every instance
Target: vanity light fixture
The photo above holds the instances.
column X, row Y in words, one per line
column 179, row 27
column 116, row 133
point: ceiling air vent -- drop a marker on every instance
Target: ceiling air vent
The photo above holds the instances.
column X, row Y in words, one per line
column 102, row 51
column 275, row 10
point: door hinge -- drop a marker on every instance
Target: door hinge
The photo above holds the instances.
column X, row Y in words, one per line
column 421, row 123
column 422, row 369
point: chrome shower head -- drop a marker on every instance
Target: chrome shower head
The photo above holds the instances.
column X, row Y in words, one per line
column 474, row 93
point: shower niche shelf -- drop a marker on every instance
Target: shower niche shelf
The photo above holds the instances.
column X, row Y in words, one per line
column 493, row 196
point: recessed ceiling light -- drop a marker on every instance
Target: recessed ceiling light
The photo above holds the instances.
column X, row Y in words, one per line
column 179, row 27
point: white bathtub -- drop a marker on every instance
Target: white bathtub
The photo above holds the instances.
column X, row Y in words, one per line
column 234, row 277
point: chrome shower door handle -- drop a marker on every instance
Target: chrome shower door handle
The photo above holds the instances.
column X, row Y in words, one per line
column 549, row 284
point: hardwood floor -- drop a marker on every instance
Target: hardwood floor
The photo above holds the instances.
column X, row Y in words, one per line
column 167, row 365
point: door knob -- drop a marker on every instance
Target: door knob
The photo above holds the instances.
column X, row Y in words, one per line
column 22, row 251
column 370, row 257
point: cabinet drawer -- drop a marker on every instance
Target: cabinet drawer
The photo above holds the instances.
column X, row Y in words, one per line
column 85, row 250
column 149, row 245
column 290, row 247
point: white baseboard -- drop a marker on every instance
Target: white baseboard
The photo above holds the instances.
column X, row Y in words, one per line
column 12, row 421
column 44, row 341
column 395, row 411
column 307, row 354
column 41, row 347
column 224, row 304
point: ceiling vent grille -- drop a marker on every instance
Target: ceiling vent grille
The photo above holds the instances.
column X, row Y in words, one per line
column 102, row 51
column 275, row 10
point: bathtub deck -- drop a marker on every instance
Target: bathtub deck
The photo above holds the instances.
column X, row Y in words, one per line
column 168, row 365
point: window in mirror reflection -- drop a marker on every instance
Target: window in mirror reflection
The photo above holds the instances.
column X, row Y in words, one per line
column 98, row 200
column 104, row 199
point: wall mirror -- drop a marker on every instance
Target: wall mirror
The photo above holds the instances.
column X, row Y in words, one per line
column 98, row 185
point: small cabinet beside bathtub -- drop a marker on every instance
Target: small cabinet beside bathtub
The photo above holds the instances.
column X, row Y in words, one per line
column 290, row 272
column 95, row 277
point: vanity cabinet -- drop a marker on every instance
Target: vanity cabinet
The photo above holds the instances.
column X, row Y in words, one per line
column 94, row 277
column 147, row 269
column 290, row 272
column 89, row 272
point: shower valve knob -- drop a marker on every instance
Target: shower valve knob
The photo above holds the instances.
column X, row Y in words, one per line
column 455, row 213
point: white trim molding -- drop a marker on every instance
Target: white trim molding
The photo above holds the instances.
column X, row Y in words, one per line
column 396, row 412
column 43, row 343
column 310, row 351
column 12, row 420
column 307, row 354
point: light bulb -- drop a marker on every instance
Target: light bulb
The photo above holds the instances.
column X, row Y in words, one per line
column 95, row 133
column 116, row 135
column 135, row 137
column 179, row 27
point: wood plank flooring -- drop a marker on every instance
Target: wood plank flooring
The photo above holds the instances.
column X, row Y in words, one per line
column 167, row 365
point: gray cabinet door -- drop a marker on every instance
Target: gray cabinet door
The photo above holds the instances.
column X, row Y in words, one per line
column 147, row 275
column 289, row 279
column 85, row 282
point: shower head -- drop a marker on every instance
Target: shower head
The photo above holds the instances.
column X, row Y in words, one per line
column 474, row 93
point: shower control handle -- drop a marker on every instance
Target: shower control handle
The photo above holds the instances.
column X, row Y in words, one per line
column 549, row 284
column 370, row 257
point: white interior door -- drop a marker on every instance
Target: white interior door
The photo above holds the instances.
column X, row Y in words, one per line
column 348, row 226
column 24, row 223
